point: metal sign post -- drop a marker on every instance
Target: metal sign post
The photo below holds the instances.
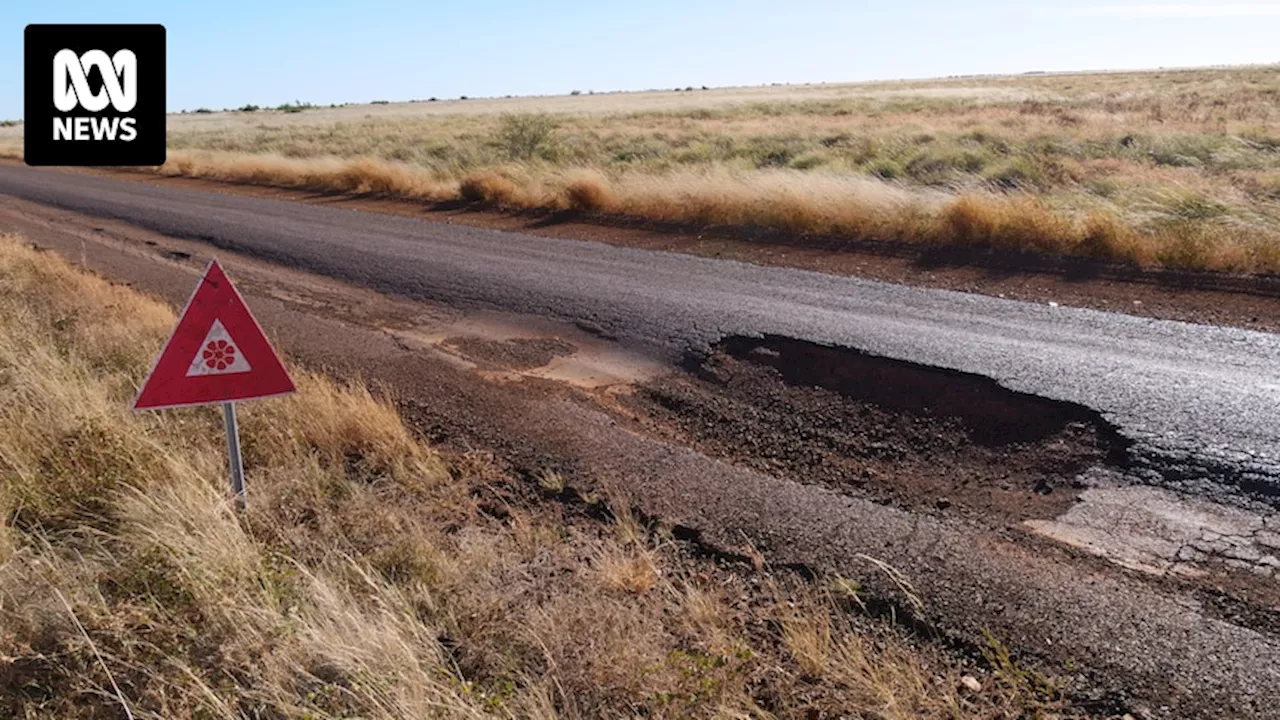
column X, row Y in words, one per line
column 233, row 454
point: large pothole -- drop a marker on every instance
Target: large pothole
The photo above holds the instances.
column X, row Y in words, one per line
column 911, row 435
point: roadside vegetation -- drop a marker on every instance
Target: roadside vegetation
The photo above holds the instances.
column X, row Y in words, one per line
column 1176, row 169
column 373, row 576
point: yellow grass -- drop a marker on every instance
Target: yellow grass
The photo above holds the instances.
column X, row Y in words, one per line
column 359, row 175
column 364, row 580
column 786, row 200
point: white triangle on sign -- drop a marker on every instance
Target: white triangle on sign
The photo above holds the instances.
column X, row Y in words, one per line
column 218, row 354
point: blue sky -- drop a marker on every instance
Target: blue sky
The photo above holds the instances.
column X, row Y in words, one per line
column 231, row 52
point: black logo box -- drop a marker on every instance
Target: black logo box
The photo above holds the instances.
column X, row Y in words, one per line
column 42, row 43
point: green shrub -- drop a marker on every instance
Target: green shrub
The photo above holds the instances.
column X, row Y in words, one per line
column 525, row 136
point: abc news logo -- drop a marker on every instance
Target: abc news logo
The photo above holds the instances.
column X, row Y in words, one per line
column 95, row 95
column 71, row 90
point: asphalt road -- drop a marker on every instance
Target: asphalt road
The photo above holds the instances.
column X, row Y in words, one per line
column 1200, row 402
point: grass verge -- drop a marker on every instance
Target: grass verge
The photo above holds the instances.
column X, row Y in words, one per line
column 372, row 576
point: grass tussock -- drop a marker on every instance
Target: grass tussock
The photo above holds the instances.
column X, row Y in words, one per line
column 371, row 576
column 487, row 186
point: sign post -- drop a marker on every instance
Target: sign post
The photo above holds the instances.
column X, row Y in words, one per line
column 233, row 454
column 216, row 355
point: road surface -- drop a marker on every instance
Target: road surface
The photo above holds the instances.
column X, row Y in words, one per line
column 1198, row 404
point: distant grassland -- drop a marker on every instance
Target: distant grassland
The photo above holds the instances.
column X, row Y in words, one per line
column 1178, row 169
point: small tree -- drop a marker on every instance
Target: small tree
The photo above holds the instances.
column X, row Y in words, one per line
column 527, row 135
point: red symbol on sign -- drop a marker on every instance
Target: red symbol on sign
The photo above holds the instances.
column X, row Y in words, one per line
column 216, row 354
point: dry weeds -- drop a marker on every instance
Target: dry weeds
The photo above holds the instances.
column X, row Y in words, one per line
column 371, row 577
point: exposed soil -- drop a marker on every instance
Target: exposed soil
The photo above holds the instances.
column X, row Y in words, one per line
column 918, row 437
column 1251, row 302
column 516, row 354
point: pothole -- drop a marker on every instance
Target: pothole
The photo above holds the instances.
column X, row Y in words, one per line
column 912, row 435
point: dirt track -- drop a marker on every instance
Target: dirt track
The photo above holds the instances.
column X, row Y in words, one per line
column 1194, row 637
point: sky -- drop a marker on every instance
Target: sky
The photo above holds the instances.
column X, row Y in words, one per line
column 232, row 52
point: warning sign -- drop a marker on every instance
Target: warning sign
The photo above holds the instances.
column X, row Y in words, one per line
column 216, row 354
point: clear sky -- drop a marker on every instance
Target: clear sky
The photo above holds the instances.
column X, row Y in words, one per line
column 224, row 53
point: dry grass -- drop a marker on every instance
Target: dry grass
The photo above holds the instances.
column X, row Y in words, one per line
column 358, row 175
column 371, row 577
column 787, row 200
column 1172, row 169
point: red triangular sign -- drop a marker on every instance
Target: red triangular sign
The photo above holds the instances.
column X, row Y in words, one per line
column 216, row 354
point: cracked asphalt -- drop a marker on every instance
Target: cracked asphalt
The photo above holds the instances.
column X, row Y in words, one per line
column 1199, row 402
column 1153, row 530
